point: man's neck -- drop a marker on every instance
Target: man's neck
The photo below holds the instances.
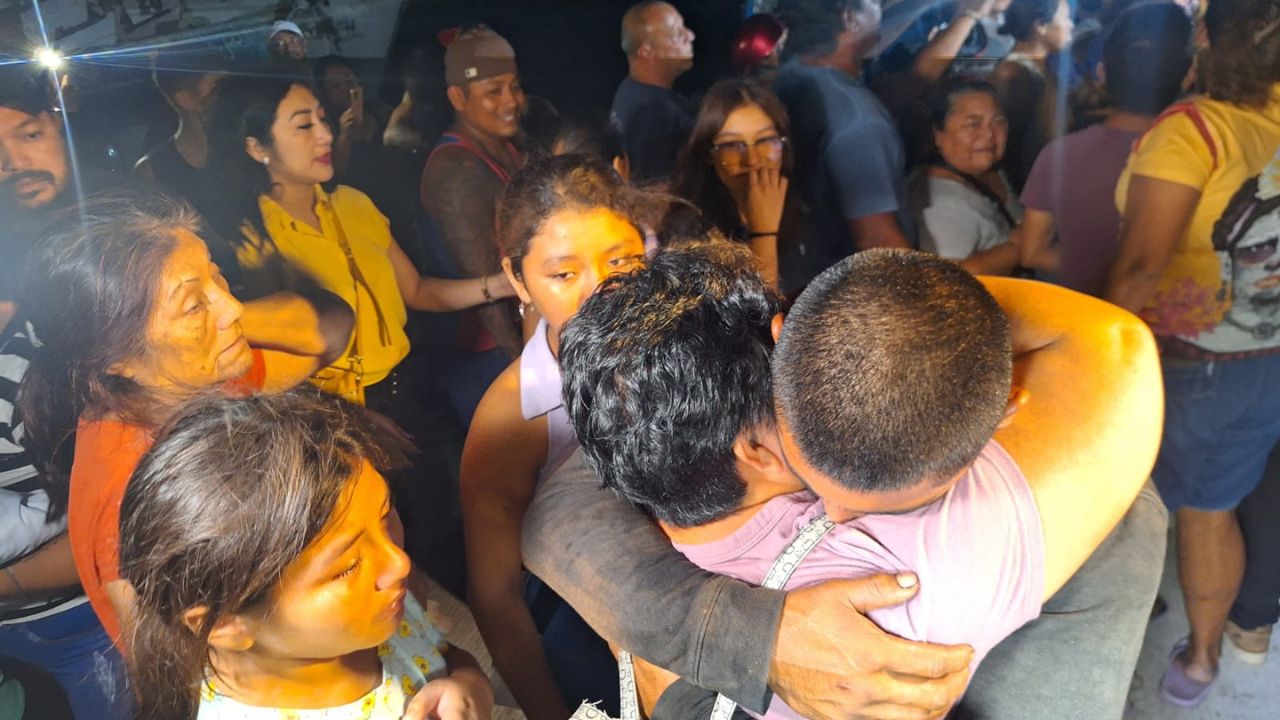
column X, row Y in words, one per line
column 844, row 58
column 1129, row 122
column 190, row 140
column 758, row 495
column 304, row 684
column 651, row 75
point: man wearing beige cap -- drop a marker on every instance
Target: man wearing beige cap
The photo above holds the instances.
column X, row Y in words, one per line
column 461, row 182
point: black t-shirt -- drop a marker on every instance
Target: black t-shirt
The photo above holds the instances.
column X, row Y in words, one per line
column 654, row 128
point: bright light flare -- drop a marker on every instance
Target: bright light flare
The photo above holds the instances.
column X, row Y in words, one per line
column 50, row 58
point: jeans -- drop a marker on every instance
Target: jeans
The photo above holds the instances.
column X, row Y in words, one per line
column 581, row 662
column 1258, row 602
column 73, row 647
column 1221, row 419
column 1075, row 661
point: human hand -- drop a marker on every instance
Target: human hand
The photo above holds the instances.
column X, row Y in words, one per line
column 766, row 197
column 832, row 663
column 348, row 121
column 465, row 695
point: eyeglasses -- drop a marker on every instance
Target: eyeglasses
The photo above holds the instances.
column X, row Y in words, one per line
column 736, row 152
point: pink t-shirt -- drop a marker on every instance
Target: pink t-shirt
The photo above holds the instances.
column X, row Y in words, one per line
column 978, row 551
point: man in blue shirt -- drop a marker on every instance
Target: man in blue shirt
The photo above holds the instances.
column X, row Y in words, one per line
column 654, row 126
column 850, row 163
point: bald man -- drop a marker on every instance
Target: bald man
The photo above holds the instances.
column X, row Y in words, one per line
column 654, row 126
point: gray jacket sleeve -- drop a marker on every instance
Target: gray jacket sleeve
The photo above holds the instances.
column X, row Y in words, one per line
column 617, row 569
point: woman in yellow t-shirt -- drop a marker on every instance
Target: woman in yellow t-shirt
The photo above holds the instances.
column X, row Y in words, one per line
column 1198, row 259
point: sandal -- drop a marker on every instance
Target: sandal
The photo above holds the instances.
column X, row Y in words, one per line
column 1177, row 687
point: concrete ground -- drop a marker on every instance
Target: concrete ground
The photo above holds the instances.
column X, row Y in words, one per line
column 1243, row 692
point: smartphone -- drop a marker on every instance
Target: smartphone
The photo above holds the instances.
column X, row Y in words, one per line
column 357, row 104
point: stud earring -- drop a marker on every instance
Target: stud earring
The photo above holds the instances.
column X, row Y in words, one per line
column 266, row 161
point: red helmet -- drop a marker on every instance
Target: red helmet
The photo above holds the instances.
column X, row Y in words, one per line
column 758, row 37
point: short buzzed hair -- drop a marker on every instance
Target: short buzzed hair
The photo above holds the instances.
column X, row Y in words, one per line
column 634, row 28
column 893, row 368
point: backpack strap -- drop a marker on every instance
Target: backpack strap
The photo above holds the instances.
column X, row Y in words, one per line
column 459, row 141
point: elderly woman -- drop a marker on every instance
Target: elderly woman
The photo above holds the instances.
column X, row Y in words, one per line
column 963, row 205
column 134, row 320
column 1197, row 259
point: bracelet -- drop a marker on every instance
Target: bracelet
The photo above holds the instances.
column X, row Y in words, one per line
column 484, row 288
column 762, row 234
column 14, row 579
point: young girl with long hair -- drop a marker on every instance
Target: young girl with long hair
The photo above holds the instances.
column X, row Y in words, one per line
column 565, row 223
column 269, row 581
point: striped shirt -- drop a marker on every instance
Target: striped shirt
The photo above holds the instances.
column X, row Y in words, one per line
column 24, row 523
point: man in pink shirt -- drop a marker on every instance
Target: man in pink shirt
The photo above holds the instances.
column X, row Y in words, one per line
column 888, row 409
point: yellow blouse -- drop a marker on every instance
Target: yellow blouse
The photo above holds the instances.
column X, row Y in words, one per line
column 318, row 254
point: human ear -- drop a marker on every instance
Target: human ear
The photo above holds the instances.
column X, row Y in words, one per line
column 775, row 327
column 516, row 282
column 254, row 149
column 622, row 166
column 756, row 454
column 457, row 97
column 1018, row 398
column 229, row 633
column 128, row 369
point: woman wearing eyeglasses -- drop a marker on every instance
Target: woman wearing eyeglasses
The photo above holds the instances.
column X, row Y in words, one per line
column 735, row 169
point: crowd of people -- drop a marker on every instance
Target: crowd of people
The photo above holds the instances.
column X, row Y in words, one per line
column 866, row 385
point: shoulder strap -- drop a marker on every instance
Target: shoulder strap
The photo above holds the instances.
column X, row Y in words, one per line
column 1197, row 119
column 784, row 566
column 456, row 140
column 982, row 189
column 384, row 331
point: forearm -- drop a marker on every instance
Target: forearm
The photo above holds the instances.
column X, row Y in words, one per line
column 313, row 323
column 765, row 248
column 440, row 295
column 932, row 62
column 1131, row 282
column 48, row 570
column 514, row 643
column 650, row 600
column 877, row 231
column 998, row 260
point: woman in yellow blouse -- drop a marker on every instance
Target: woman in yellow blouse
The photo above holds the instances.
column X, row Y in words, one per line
column 271, row 151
